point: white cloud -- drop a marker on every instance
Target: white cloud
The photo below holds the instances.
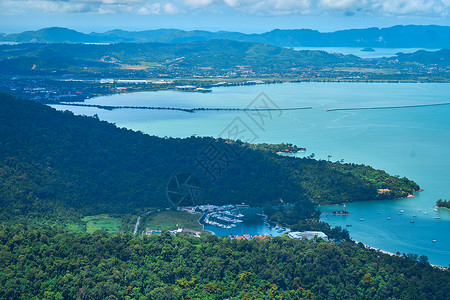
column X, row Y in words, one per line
column 198, row 3
column 341, row 4
column 431, row 8
column 405, row 7
column 171, row 9
column 232, row 3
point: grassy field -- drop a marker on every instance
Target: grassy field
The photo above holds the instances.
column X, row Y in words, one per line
column 102, row 222
column 168, row 220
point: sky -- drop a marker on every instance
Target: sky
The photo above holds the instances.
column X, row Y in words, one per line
column 249, row 16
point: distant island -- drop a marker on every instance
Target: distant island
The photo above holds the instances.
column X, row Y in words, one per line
column 443, row 203
column 367, row 49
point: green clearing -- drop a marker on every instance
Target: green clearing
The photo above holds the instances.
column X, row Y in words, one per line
column 168, row 220
column 103, row 223
column 149, row 64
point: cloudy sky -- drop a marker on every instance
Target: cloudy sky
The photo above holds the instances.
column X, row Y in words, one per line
column 238, row 15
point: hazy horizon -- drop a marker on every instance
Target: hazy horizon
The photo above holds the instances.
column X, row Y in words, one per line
column 247, row 16
column 210, row 29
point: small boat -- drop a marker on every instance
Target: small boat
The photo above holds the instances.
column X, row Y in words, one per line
column 414, row 215
column 402, row 211
column 420, row 210
column 434, row 241
column 349, row 225
column 362, row 219
column 435, row 209
column 437, row 218
column 425, row 213
column 379, row 212
column 411, row 221
column 389, row 218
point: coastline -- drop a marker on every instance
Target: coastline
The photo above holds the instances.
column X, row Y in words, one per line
column 393, row 254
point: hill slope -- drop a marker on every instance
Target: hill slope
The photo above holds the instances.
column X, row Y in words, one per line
column 46, row 263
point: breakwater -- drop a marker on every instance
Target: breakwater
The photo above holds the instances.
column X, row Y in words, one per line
column 189, row 110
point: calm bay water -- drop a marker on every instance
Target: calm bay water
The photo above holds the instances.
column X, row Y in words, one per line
column 411, row 142
column 253, row 225
column 379, row 52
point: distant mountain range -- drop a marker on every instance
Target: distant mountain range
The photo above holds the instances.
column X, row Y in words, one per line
column 410, row 36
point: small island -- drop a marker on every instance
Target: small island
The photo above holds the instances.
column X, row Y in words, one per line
column 443, row 203
column 367, row 49
column 343, row 212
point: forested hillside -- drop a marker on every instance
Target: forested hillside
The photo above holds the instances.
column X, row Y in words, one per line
column 53, row 161
column 51, row 264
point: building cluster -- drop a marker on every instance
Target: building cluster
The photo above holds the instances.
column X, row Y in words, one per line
column 249, row 237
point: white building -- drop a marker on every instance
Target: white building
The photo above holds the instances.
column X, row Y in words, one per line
column 309, row 235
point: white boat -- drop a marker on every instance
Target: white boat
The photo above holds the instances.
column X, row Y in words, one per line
column 362, row 219
column 437, row 218
column 389, row 218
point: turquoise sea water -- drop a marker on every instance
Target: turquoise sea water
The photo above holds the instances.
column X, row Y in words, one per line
column 411, row 142
column 379, row 52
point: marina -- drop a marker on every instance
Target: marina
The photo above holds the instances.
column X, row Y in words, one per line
column 224, row 219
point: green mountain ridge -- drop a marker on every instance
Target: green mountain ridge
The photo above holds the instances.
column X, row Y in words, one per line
column 409, row 36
